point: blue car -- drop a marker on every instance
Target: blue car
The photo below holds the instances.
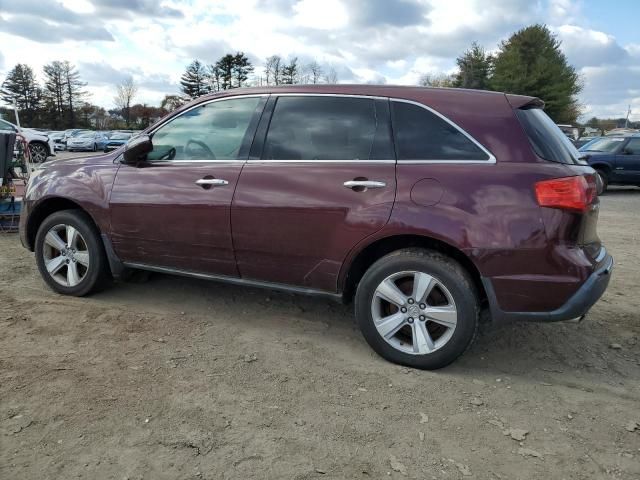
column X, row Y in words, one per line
column 616, row 159
column 116, row 141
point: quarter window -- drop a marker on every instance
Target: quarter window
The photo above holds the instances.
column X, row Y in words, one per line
column 213, row 131
column 422, row 135
column 328, row 128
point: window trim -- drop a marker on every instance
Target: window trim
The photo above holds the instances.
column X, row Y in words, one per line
column 491, row 160
column 197, row 105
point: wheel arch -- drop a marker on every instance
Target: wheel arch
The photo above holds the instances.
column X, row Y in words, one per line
column 601, row 166
column 381, row 247
column 47, row 207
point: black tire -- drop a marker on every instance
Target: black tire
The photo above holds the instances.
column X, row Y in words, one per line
column 97, row 274
column 95, row 147
column 604, row 178
column 451, row 274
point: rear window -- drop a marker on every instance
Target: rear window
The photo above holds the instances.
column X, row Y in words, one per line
column 546, row 138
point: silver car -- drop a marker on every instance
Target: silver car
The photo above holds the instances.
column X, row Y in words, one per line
column 92, row 141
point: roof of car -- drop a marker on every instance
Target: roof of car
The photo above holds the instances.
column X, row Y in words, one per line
column 395, row 91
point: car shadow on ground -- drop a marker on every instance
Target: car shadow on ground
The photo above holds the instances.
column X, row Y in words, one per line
column 529, row 350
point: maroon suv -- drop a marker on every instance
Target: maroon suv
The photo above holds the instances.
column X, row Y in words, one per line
column 422, row 205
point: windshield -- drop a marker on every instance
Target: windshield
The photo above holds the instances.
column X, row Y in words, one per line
column 608, row 145
column 546, row 138
column 120, row 136
column 86, row 135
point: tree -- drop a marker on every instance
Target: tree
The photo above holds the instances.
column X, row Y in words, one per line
column 474, row 68
column 171, row 102
column 438, row 80
column 273, row 70
column 194, row 81
column 22, row 86
column 313, row 72
column 125, row 92
column 54, row 92
column 531, row 63
column 225, row 67
column 73, row 89
column 331, row 76
column 290, row 72
column 242, row 68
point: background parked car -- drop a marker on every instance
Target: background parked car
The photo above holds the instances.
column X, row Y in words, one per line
column 117, row 140
column 58, row 140
column 40, row 145
column 616, row 159
column 92, row 141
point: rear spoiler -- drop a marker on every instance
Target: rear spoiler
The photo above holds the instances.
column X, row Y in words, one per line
column 522, row 101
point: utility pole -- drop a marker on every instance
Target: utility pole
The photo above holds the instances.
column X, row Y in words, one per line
column 15, row 109
column 626, row 122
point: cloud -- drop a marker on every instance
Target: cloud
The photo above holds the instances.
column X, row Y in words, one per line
column 585, row 47
column 124, row 8
column 45, row 31
column 394, row 41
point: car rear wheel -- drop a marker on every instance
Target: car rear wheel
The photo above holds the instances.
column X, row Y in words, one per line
column 604, row 181
column 70, row 255
column 417, row 308
column 38, row 152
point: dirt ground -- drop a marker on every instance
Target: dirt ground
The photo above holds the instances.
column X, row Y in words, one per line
column 186, row 379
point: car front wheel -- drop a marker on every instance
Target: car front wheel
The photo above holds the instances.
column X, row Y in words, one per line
column 417, row 308
column 38, row 152
column 69, row 253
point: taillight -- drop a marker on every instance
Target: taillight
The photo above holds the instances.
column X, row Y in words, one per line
column 570, row 193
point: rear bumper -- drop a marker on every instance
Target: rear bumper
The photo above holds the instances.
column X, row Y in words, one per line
column 577, row 305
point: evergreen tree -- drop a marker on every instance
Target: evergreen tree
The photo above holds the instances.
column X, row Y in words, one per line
column 290, row 72
column 22, row 86
column 531, row 63
column 225, row 68
column 54, row 93
column 474, row 68
column 242, row 68
column 194, row 82
column 73, row 90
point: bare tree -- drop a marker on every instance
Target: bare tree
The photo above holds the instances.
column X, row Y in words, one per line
column 331, row 76
column 273, row 70
column 126, row 91
column 313, row 72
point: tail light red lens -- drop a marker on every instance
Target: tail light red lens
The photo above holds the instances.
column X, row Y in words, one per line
column 568, row 193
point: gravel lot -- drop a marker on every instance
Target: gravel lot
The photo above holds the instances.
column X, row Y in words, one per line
column 171, row 378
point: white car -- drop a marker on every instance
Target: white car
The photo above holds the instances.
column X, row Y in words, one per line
column 40, row 145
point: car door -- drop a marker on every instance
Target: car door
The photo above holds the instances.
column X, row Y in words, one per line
column 173, row 210
column 628, row 161
column 320, row 178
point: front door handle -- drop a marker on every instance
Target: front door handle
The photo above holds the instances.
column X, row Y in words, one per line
column 364, row 184
column 211, row 182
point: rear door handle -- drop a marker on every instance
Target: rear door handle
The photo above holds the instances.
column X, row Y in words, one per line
column 362, row 184
column 211, row 182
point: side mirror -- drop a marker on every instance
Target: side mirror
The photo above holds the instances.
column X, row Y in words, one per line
column 137, row 148
column 627, row 151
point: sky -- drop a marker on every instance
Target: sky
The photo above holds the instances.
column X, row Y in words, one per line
column 364, row 41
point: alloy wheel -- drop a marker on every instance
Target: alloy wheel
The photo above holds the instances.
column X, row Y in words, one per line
column 38, row 152
column 414, row 312
column 66, row 255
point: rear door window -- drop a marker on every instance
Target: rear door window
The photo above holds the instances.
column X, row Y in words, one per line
column 546, row 138
column 420, row 134
column 328, row 128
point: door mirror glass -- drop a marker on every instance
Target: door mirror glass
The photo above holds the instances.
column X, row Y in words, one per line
column 137, row 149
